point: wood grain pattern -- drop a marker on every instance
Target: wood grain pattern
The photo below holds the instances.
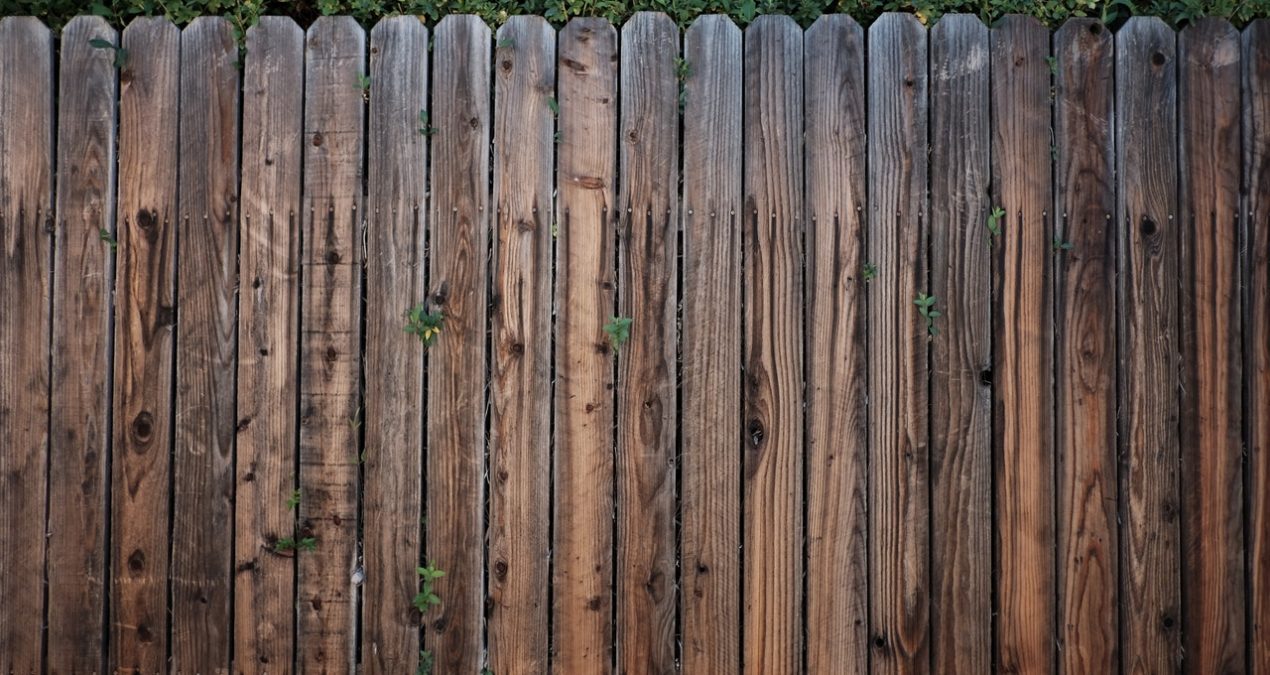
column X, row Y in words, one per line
column 520, row 370
column 26, row 250
column 207, row 304
column 268, row 343
column 145, row 342
column 837, row 423
column 586, row 162
column 1146, row 168
column 898, row 347
column 1085, row 349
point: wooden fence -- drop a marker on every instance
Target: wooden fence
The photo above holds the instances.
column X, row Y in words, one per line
column 220, row 445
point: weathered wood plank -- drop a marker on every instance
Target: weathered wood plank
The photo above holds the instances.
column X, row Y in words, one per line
column 1023, row 397
column 203, row 461
column 586, row 163
column 145, row 341
column 961, row 380
column 268, row 344
column 772, row 491
column 1085, row 349
column 899, row 515
column 26, row 246
column 520, row 370
column 1146, row 168
column 457, row 285
column 837, row 422
column 330, row 342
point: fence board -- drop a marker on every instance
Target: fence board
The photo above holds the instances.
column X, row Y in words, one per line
column 898, row 347
column 586, row 162
column 521, row 329
column 710, row 503
column 1085, row 349
column 26, row 223
column 837, row 452
column 1146, row 167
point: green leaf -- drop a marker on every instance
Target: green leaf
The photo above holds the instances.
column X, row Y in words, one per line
column 554, row 105
column 619, row 331
column 294, row 500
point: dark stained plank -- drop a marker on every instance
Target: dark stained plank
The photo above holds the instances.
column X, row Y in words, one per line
column 1023, row 394
column 26, row 249
column 268, row 343
column 961, row 397
column 1085, row 349
column 457, row 286
column 520, row 370
column 586, row 162
column 145, row 341
column 1146, row 168
column 710, row 506
column 898, row 347
column 1209, row 318
column 772, row 491
column 330, row 342
column 837, row 422
column 203, row 461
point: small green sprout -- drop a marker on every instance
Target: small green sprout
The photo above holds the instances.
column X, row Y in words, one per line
column 294, row 500
column 426, row 662
column 994, row 222
column 870, row 272
column 109, row 238
column 427, row 598
column 425, row 129
column 1060, row 245
column 425, row 324
column 926, row 307
column 619, row 331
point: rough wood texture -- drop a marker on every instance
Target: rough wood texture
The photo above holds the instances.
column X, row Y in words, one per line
column 961, row 371
column 520, row 369
column 145, row 339
column 586, row 162
column 268, row 340
column 1146, row 167
column 330, row 343
column 837, row 433
column 203, row 461
column 710, row 504
column 1085, row 349
column 898, row 347
column 457, row 286
column 26, row 249
column 772, row 491
column 1023, row 394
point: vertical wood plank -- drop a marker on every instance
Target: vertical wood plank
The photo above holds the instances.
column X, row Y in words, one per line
column 1021, row 120
column 961, row 379
column 772, row 493
column 520, row 386
column 837, row 423
column 586, row 162
column 26, row 243
column 203, row 462
column 711, row 349
column 145, row 341
column 899, row 515
column 1146, row 167
column 330, row 342
column 268, row 340
column 457, row 271
column 1085, row 349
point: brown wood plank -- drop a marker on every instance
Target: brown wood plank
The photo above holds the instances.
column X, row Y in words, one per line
column 898, row 346
column 268, row 343
column 961, row 375
column 1085, row 349
column 330, row 342
column 837, row 421
column 145, row 340
column 586, row 162
column 203, row 462
column 772, row 491
column 457, row 286
column 1023, row 398
column 1146, row 167
column 520, row 371
column 710, row 534
column 26, row 249
column 646, row 386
